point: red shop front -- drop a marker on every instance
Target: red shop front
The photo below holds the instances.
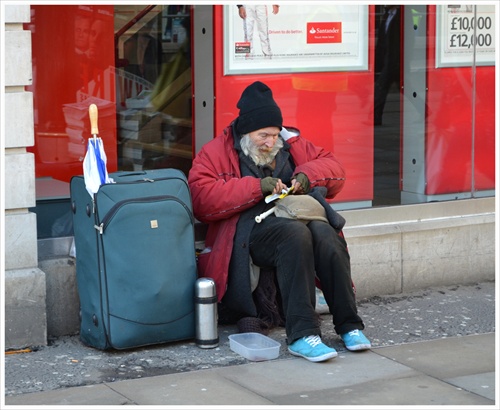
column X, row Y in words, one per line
column 322, row 73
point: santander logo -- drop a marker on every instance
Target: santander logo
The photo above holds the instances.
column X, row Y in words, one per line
column 324, row 32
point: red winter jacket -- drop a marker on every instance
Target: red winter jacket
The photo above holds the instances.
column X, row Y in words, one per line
column 219, row 193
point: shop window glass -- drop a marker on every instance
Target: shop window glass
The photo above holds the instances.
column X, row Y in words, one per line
column 134, row 63
column 448, row 103
column 435, row 141
column 153, row 87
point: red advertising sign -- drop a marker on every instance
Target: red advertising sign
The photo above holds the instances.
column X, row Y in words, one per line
column 324, row 32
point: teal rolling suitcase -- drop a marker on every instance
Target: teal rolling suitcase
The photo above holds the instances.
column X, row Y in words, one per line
column 135, row 259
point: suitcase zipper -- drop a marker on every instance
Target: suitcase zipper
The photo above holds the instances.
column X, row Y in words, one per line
column 109, row 215
column 135, row 181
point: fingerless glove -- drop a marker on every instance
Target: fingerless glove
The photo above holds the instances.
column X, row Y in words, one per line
column 268, row 184
column 304, row 182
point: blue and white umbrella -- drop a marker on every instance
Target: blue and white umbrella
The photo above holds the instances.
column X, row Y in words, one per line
column 94, row 164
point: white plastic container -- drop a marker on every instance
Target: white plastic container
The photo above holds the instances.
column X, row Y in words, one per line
column 254, row 346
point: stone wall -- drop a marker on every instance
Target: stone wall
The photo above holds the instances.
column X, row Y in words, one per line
column 25, row 289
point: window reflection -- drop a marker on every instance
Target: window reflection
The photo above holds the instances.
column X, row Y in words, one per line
column 154, row 118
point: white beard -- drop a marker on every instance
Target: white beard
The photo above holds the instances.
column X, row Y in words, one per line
column 258, row 156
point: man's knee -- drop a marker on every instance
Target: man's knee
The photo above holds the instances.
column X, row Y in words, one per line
column 297, row 231
column 327, row 234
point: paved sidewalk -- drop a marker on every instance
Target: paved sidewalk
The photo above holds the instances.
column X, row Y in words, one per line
column 451, row 371
column 429, row 347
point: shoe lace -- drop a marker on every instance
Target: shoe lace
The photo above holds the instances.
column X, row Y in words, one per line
column 354, row 332
column 313, row 340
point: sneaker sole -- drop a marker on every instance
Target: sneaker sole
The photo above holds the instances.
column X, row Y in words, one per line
column 321, row 358
column 359, row 347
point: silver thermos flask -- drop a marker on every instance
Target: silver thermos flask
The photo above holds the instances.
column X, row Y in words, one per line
column 205, row 304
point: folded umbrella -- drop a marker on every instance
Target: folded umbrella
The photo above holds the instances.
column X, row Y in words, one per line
column 94, row 164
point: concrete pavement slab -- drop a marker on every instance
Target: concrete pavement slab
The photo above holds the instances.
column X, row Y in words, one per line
column 447, row 358
column 99, row 394
column 416, row 389
column 467, row 362
column 482, row 384
column 295, row 376
column 204, row 387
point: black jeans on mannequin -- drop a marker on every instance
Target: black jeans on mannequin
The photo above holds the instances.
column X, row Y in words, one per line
column 299, row 252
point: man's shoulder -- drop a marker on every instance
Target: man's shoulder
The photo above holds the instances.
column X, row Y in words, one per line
column 223, row 137
column 219, row 141
column 288, row 133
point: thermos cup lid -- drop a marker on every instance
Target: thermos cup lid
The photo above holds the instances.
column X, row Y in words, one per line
column 205, row 288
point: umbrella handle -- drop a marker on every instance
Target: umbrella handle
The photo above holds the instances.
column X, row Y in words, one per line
column 93, row 120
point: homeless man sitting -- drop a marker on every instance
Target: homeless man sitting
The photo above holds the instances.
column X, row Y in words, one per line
column 256, row 156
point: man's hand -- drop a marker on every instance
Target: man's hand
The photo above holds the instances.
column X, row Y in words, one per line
column 301, row 184
column 270, row 185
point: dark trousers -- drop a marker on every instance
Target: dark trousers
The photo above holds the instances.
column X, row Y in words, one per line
column 299, row 252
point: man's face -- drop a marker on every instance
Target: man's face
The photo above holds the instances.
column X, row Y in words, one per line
column 265, row 138
column 82, row 33
column 262, row 145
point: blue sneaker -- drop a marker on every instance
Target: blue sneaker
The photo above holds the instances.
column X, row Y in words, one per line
column 312, row 349
column 356, row 340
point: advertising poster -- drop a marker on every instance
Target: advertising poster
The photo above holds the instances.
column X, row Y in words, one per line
column 295, row 38
column 465, row 35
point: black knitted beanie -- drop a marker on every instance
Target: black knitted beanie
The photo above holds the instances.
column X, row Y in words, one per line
column 257, row 109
